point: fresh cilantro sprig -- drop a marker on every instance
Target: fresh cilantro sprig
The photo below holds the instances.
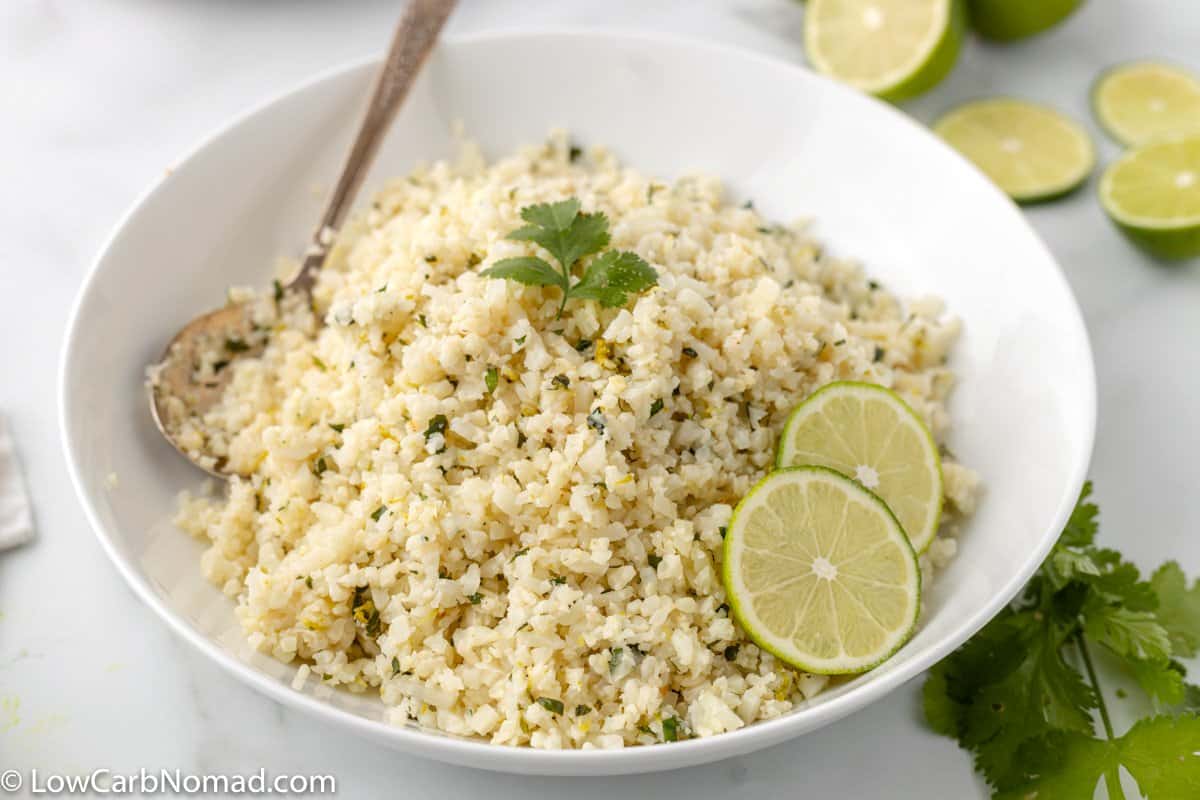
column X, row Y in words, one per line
column 1022, row 695
column 569, row 236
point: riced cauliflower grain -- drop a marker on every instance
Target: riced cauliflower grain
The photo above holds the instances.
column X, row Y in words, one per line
column 539, row 563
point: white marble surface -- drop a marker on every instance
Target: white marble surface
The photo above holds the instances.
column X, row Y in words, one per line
column 99, row 96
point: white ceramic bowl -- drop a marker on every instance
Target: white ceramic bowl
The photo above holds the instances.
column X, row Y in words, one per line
column 879, row 186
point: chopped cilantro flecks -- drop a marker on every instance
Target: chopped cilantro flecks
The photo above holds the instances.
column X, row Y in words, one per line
column 574, row 153
column 378, row 513
column 423, row 322
column 395, row 666
column 731, row 652
column 520, row 553
column 582, row 345
column 561, row 381
column 521, row 438
column 278, row 291
column 839, row 343
column 656, row 406
column 550, row 704
column 653, row 561
column 437, row 425
column 308, row 581
column 595, row 421
column 320, row 466
column 520, row 340
column 690, row 352
column 879, row 353
column 670, row 728
column 475, row 599
column 491, row 379
column 614, row 659
column 557, row 580
column 337, row 427
column 722, row 530
column 474, row 260
column 431, row 259
column 582, row 710
column 364, row 611
column 319, row 364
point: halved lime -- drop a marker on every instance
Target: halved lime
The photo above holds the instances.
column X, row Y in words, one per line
column 1033, row 153
column 1147, row 100
column 1005, row 20
column 866, row 432
column 891, row 48
column 819, row 572
column 1153, row 195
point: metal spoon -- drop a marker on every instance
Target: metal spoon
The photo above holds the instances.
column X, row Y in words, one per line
column 182, row 386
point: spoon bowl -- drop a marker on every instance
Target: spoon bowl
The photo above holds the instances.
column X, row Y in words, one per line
column 196, row 366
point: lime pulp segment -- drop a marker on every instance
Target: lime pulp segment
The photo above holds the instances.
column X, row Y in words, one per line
column 819, row 572
column 895, row 49
column 1145, row 100
column 1153, row 194
column 868, row 433
column 1033, row 153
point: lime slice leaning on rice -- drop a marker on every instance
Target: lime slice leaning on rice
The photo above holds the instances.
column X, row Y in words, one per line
column 1031, row 152
column 819, row 572
column 1152, row 193
column 891, row 48
column 1146, row 100
column 868, row 433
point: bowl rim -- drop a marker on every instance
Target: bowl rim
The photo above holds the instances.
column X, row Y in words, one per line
column 507, row 758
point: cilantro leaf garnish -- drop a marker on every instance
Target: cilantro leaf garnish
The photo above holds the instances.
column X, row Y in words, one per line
column 1023, row 695
column 569, row 236
column 565, row 232
column 529, row 270
column 612, row 277
column 1178, row 608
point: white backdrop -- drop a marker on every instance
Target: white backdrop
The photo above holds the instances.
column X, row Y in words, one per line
column 98, row 97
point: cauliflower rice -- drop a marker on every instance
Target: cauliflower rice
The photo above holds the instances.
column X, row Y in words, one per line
column 539, row 564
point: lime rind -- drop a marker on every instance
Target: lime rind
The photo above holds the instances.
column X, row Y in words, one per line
column 1105, row 117
column 1167, row 238
column 1048, row 190
column 749, row 621
column 1008, row 20
column 811, row 404
column 930, row 64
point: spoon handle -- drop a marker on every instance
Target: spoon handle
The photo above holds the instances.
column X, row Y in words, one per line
column 415, row 36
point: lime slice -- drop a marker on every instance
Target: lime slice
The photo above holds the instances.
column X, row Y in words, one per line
column 1005, row 20
column 891, row 48
column 1145, row 100
column 1031, row 152
column 868, row 433
column 819, row 573
column 1153, row 194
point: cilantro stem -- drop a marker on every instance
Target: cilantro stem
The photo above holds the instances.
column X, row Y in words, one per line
column 1112, row 780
